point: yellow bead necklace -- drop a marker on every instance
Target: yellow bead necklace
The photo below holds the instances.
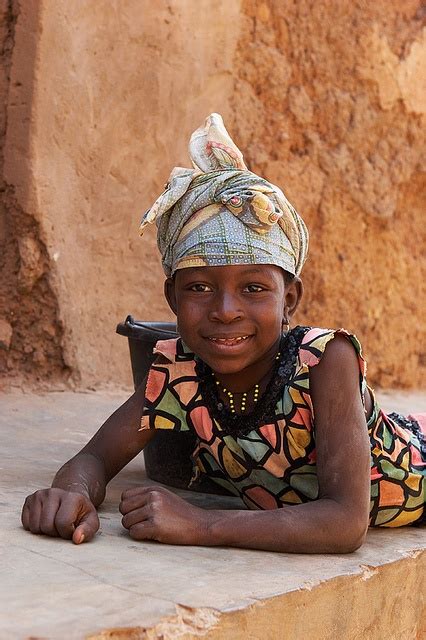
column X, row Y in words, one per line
column 243, row 404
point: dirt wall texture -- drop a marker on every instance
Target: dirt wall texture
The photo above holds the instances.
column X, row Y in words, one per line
column 99, row 99
column 31, row 333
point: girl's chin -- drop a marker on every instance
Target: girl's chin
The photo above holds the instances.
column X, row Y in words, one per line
column 226, row 370
column 226, row 366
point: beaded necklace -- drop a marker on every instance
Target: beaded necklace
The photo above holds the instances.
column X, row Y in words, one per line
column 244, row 395
column 235, row 423
column 231, row 397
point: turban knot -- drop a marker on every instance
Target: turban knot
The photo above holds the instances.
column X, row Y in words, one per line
column 220, row 213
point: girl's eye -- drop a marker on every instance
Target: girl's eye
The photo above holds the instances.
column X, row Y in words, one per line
column 254, row 288
column 199, row 287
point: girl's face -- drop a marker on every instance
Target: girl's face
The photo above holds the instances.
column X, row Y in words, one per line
column 232, row 316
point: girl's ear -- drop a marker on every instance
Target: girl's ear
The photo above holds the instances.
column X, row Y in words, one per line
column 170, row 294
column 293, row 295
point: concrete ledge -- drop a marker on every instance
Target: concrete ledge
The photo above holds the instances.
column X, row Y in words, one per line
column 115, row 588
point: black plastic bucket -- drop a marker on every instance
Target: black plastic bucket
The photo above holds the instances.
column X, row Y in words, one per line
column 168, row 456
column 142, row 337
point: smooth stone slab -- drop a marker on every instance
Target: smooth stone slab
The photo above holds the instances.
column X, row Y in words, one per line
column 114, row 587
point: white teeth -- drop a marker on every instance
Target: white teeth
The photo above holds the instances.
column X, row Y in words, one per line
column 226, row 340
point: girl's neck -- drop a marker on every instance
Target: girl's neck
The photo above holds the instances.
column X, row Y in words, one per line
column 258, row 373
column 253, row 417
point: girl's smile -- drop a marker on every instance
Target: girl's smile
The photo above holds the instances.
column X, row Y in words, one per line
column 231, row 317
column 228, row 345
column 228, row 341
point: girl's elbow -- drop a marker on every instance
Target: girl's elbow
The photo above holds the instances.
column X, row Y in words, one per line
column 355, row 544
column 355, row 538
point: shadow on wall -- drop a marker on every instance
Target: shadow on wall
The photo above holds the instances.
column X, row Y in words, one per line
column 30, row 330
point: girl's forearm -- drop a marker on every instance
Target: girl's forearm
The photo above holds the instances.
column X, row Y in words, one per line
column 324, row 526
column 85, row 474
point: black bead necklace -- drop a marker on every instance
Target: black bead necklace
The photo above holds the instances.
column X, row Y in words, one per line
column 235, row 423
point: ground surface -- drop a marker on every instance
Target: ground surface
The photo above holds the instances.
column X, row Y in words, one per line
column 116, row 588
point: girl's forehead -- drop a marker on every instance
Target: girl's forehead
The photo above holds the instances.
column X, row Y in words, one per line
column 230, row 271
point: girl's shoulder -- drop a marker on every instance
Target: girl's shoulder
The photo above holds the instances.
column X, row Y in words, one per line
column 315, row 340
column 314, row 346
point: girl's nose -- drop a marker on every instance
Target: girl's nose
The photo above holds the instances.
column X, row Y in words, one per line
column 226, row 308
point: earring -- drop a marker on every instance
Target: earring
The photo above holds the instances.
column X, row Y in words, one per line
column 285, row 325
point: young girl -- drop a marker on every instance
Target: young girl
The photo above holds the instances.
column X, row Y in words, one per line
column 283, row 417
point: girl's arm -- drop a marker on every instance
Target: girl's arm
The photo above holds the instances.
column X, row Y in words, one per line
column 335, row 523
column 68, row 508
column 116, row 443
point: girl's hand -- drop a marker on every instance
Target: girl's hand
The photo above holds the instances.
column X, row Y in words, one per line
column 154, row 513
column 60, row 513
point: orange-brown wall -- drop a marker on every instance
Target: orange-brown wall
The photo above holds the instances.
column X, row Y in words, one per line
column 325, row 98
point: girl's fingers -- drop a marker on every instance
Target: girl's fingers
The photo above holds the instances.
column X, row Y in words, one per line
column 34, row 516
column 25, row 515
column 67, row 515
column 48, row 514
column 134, row 502
column 136, row 516
column 60, row 513
column 86, row 528
column 129, row 493
column 142, row 531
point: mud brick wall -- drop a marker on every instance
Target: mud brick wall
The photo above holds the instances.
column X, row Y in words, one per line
column 31, row 333
column 97, row 101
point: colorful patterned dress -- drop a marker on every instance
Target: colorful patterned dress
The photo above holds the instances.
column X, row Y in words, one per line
column 275, row 464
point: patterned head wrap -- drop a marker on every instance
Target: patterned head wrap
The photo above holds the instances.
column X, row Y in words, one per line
column 220, row 213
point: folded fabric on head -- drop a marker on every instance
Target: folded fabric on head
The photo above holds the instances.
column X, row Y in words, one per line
column 220, row 213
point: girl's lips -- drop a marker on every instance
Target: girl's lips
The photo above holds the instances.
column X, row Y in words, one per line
column 228, row 343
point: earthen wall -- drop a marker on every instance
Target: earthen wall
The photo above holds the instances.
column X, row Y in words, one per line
column 31, row 332
column 97, row 102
